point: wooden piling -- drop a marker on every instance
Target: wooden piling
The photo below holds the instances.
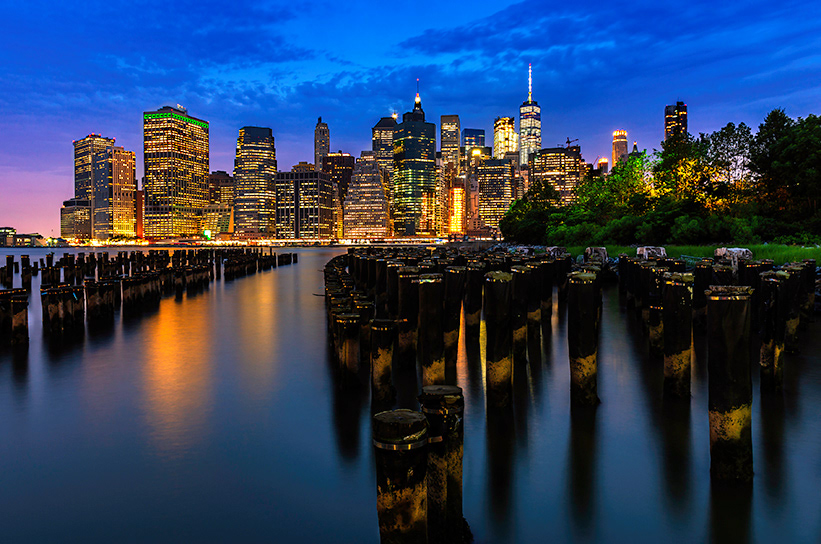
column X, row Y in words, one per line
column 677, row 316
column 455, row 278
column 773, row 329
column 431, row 337
column 582, row 338
column 499, row 365
column 383, row 339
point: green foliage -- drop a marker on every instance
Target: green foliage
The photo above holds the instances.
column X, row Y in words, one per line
column 727, row 187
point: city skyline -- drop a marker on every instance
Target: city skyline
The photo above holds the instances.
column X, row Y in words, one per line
column 621, row 76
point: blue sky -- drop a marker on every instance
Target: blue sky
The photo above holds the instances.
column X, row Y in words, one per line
column 72, row 69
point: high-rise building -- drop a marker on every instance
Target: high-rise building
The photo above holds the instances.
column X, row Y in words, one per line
column 255, row 170
column 221, row 188
column 473, row 137
column 559, row 167
column 113, row 173
column 366, row 205
column 602, row 166
column 495, row 177
column 84, row 151
column 414, row 188
column 530, row 124
column 449, row 141
column 176, row 172
column 75, row 219
column 304, row 203
column 675, row 120
column 139, row 212
column 619, row 146
column 339, row 167
column 504, row 137
column 322, row 143
column 383, row 142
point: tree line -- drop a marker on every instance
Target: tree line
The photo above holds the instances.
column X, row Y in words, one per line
column 730, row 186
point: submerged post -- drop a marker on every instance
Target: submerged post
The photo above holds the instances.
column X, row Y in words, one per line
column 431, row 337
column 400, row 439
column 678, row 333
column 582, row 337
column 383, row 336
column 773, row 329
column 444, row 407
column 730, row 385
column 408, row 277
column 499, row 365
column 455, row 277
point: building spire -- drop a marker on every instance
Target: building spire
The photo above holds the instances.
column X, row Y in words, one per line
column 529, row 83
column 418, row 101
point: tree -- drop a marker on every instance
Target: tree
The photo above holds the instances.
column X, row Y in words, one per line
column 681, row 171
column 612, row 195
column 765, row 148
column 728, row 154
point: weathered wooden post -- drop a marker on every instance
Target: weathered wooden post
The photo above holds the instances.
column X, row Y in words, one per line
column 548, row 279
column 444, row 407
column 520, row 290
column 499, row 366
column 582, row 337
column 348, row 337
column 655, row 324
column 534, row 298
column 678, row 333
column 455, row 278
column 773, row 329
column 400, row 439
column 474, row 282
column 383, row 338
column 730, row 384
column 702, row 279
column 19, row 319
column 794, row 291
column 431, row 337
column 808, row 309
column 392, row 288
column 408, row 277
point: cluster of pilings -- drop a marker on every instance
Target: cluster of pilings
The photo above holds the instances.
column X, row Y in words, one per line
column 90, row 289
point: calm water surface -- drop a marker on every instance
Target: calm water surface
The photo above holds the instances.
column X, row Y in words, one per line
column 216, row 419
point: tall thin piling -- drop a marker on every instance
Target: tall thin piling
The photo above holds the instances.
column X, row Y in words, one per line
column 431, row 337
column 678, row 333
column 499, row 365
column 582, row 337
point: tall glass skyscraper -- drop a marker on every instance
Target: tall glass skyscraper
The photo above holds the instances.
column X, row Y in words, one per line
column 414, row 194
column 530, row 123
column 449, row 140
column 366, row 206
column 495, row 178
column 322, row 143
column 675, row 120
column 504, row 137
column 619, row 146
column 255, row 170
column 115, row 182
column 175, row 147
column 84, row 151
column 473, row 137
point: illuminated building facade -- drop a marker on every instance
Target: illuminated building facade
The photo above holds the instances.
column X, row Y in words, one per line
column 75, row 219
column 221, row 188
column 457, row 200
column 304, row 203
column 339, row 167
column 619, row 146
column 84, row 151
column 218, row 217
column 176, row 172
column 449, row 141
column 560, row 167
column 530, row 124
column 366, row 213
column 255, row 170
column 322, row 143
column 473, row 137
column 504, row 137
column 114, row 180
column 414, row 187
column 602, row 166
column 675, row 120
column 382, row 143
column 495, row 179
column 139, row 213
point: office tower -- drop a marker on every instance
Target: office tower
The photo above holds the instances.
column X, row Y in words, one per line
column 382, row 134
column 218, row 217
column 221, row 188
column 84, row 151
column 139, row 212
column 473, row 137
column 339, row 167
column 675, row 120
column 495, row 177
column 414, row 187
column 449, row 140
column 602, row 165
column 176, row 172
column 530, row 124
column 322, row 143
column 366, row 212
column 457, row 207
column 75, row 219
column 619, row 146
column 255, row 169
column 560, row 167
column 113, row 173
column 504, row 137
column 304, row 203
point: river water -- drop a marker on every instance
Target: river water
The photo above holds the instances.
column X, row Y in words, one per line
column 216, row 419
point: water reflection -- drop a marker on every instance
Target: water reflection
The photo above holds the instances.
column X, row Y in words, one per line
column 730, row 507
column 675, row 437
column 772, row 441
column 500, row 439
column 581, row 463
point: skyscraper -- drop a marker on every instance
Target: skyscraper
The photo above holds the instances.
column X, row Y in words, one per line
column 219, row 213
column 75, row 219
column 366, row 205
column 495, row 178
column 175, row 149
column 619, row 146
column 339, row 167
column 473, row 137
column 675, row 120
column 304, row 203
column 322, row 143
column 84, row 151
column 255, row 170
column 414, row 188
column 382, row 134
column 449, row 140
column 504, row 137
column 114, row 179
column 530, row 124
column 559, row 167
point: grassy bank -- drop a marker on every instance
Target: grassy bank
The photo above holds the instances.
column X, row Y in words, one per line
column 779, row 253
